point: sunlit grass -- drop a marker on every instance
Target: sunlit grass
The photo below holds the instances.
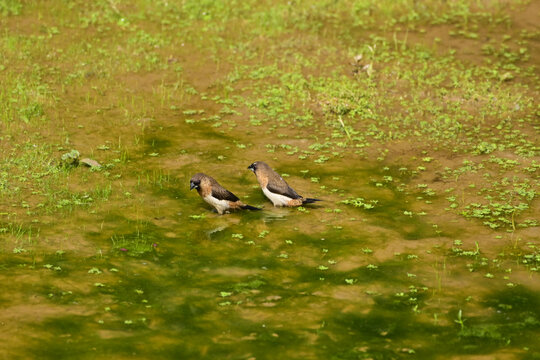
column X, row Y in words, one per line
column 415, row 122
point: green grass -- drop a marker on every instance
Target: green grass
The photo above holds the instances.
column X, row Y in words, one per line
column 415, row 122
column 136, row 244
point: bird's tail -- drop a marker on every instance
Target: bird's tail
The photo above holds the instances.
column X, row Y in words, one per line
column 249, row 207
column 309, row 201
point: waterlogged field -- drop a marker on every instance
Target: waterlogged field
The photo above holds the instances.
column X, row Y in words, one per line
column 417, row 123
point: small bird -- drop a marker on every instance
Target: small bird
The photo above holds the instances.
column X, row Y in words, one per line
column 216, row 195
column 275, row 188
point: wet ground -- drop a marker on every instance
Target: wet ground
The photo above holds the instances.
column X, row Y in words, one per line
column 416, row 124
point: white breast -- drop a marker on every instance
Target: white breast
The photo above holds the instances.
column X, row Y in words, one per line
column 220, row 205
column 276, row 199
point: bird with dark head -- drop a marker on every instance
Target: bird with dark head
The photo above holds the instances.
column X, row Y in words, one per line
column 275, row 188
column 216, row 195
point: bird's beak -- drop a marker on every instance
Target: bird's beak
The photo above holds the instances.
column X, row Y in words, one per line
column 251, row 167
column 192, row 186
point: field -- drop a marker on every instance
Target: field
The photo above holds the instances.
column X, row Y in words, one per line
column 416, row 122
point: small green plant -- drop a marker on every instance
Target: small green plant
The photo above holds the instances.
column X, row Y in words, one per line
column 70, row 158
column 10, row 7
column 136, row 244
column 460, row 320
column 361, row 203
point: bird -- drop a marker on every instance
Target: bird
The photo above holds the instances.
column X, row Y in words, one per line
column 216, row 195
column 275, row 188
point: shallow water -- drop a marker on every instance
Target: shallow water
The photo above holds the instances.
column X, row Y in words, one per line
column 313, row 284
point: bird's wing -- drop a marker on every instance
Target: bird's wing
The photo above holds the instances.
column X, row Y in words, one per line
column 282, row 188
column 221, row 193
